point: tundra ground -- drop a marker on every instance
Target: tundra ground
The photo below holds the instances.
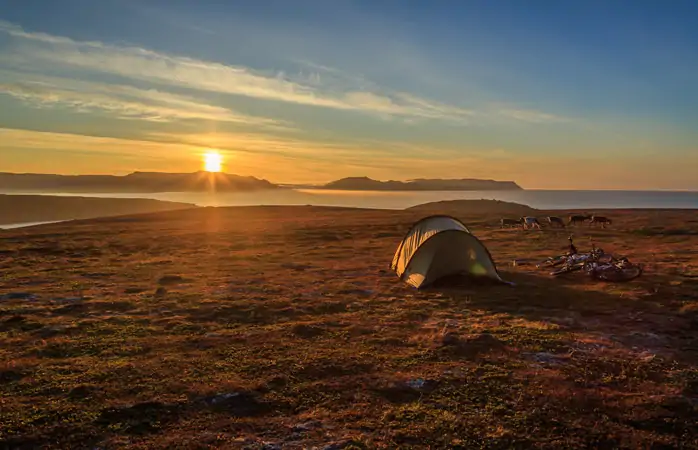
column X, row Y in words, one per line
column 283, row 327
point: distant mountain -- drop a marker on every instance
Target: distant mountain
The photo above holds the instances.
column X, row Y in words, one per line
column 45, row 208
column 465, row 184
column 144, row 182
column 470, row 207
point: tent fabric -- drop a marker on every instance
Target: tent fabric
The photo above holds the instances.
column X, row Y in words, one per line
column 439, row 246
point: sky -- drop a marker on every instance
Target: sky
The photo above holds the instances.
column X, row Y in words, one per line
column 552, row 94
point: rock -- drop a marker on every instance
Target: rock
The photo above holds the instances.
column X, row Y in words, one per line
column 19, row 323
column 307, row 331
column 240, row 404
column 271, row 446
column 417, row 383
column 486, row 339
column 681, row 405
column 649, row 336
column 220, row 398
column 134, row 290
column 170, row 280
column 160, row 292
column 306, row 426
column 9, row 376
column 550, row 359
column 50, row 332
column 15, row 319
column 141, row 418
column 451, row 338
column 293, row 439
column 421, row 384
column 70, row 308
column 469, row 345
column 403, row 392
column 81, row 392
column 340, row 445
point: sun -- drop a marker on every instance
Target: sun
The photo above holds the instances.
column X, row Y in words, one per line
column 213, row 161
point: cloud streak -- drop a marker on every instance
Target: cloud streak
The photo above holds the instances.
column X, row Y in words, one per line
column 124, row 102
column 531, row 116
column 38, row 51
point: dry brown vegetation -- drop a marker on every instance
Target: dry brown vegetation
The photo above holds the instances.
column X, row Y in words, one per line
column 282, row 327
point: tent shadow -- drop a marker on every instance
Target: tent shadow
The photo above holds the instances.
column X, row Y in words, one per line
column 576, row 303
column 527, row 294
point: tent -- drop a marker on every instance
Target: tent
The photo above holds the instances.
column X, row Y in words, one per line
column 439, row 246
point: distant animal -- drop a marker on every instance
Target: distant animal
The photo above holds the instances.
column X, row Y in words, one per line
column 578, row 219
column 510, row 223
column 556, row 221
column 600, row 220
column 530, row 222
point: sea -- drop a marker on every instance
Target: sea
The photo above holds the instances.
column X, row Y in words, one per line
column 10, row 226
column 585, row 201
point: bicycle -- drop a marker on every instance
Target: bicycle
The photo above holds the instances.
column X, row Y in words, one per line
column 615, row 271
column 596, row 263
column 572, row 261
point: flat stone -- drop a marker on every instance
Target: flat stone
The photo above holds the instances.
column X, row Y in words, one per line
column 170, row 279
column 306, row 426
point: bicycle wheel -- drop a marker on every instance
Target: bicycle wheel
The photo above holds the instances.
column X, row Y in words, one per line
column 567, row 269
column 617, row 273
column 552, row 262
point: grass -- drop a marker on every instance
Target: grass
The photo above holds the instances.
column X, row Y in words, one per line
column 661, row 231
column 246, row 327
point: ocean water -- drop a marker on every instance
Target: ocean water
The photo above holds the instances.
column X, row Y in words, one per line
column 541, row 199
column 10, row 226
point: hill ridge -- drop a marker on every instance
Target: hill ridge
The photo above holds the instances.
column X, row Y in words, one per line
column 133, row 182
column 421, row 184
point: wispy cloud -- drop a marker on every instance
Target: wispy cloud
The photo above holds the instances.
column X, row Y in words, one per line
column 531, row 116
column 125, row 102
column 62, row 143
column 40, row 51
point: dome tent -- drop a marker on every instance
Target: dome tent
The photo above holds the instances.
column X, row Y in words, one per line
column 439, row 246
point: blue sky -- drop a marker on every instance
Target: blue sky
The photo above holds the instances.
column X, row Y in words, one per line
column 552, row 94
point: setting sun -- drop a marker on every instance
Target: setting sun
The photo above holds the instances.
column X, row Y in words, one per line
column 213, row 162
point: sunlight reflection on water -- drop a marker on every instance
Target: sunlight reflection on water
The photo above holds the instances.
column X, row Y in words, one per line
column 401, row 199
